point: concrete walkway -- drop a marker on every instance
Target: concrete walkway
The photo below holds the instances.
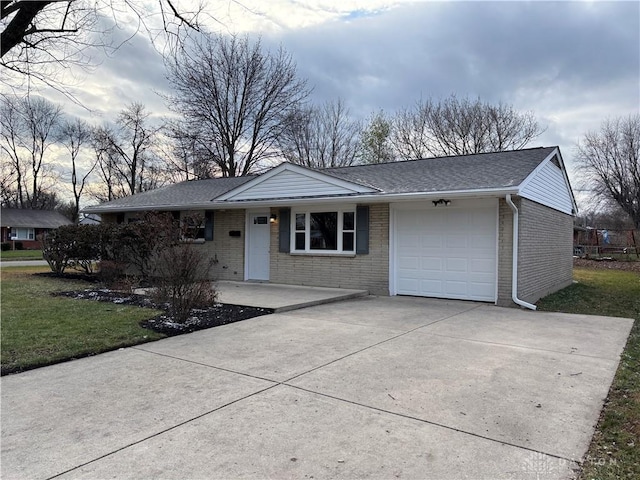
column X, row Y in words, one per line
column 23, row 263
column 278, row 297
column 365, row 388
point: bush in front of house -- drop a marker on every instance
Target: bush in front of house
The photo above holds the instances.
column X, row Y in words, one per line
column 182, row 280
column 5, row 247
column 152, row 251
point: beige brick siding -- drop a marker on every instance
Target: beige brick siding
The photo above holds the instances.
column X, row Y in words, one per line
column 505, row 242
column 545, row 249
column 227, row 251
column 370, row 272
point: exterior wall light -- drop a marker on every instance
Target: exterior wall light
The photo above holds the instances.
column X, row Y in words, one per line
column 273, row 218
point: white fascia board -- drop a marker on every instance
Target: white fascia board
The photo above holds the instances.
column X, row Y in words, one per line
column 363, row 198
column 563, row 169
column 367, row 198
column 357, row 188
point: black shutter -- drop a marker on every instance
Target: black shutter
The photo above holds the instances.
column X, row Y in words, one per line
column 362, row 229
column 208, row 225
column 284, row 234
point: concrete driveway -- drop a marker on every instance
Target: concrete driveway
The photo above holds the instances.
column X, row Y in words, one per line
column 365, row 388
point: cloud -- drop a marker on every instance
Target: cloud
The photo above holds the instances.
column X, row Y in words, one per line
column 572, row 63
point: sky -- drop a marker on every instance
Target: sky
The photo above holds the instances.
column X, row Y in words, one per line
column 573, row 64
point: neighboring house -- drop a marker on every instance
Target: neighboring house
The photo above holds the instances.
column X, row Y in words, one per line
column 27, row 226
column 439, row 227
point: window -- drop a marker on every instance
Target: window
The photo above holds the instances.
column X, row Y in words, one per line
column 192, row 225
column 22, row 234
column 331, row 231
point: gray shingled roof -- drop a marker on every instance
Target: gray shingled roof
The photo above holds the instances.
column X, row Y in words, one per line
column 469, row 172
column 27, row 218
column 459, row 173
column 183, row 193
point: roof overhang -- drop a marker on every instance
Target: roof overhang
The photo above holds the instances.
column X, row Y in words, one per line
column 276, row 202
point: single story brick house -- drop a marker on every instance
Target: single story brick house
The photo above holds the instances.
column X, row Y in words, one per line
column 27, row 226
column 494, row 227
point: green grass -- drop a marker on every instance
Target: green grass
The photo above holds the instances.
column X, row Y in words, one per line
column 615, row 449
column 40, row 329
column 21, row 255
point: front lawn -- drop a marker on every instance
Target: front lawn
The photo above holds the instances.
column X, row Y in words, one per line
column 615, row 449
column 21, row 255
column 40, row 329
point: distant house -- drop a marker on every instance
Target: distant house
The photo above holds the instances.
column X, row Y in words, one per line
column 494, row 227
column 26, row 226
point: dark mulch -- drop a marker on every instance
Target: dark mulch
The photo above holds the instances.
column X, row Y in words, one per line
column 71, row 276
column 214, row 316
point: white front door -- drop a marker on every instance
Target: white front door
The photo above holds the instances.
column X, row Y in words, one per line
column 258, row 240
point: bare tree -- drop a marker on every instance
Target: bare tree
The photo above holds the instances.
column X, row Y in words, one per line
column 40, row 39
column 320, row 137
column 184, row 157
column 27, row 130
column 232, row 96
column 610, row 159
column 75, row 135
column 126, row 160
column 409, row 134
column 456, row 126
column 376, row 140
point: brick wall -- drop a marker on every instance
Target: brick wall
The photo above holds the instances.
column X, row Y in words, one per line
column 370, row 272
column 505, row 252
column 545, row 251
column 227, row 251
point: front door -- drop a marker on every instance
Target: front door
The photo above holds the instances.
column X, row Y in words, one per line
column 258, row 246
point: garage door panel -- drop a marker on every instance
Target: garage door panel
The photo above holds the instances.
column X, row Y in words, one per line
column 431, row 264
column 456, row 241
column 457, row 265
column 455, row 288
column 409, row 263
column 409, row 286
column 431, row 286
column 448, row 252
column 431, row 241
column 409, row 241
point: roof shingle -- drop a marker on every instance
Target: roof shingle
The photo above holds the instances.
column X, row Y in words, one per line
column 27, row 218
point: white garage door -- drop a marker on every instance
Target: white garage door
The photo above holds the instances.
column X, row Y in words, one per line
column 446, row 252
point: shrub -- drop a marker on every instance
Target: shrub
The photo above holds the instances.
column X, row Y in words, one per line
column 57, row 248
column 76, row 246
column 183, row 281
column 5, row 247
column 19, row 246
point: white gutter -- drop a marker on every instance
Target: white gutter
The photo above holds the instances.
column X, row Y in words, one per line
column 514, row 261
column 275, row 202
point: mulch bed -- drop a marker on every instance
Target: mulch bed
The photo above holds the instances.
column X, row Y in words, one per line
column 604, row 264
column 214, row 316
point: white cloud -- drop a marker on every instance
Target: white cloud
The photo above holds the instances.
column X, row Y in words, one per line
column 572, row 63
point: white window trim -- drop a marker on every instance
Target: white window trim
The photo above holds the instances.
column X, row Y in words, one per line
column 341, row 209
column 31, row 234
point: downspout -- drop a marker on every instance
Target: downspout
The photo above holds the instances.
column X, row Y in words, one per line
column 514, row 261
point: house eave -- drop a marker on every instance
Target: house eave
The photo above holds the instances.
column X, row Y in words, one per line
column 332, row 199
